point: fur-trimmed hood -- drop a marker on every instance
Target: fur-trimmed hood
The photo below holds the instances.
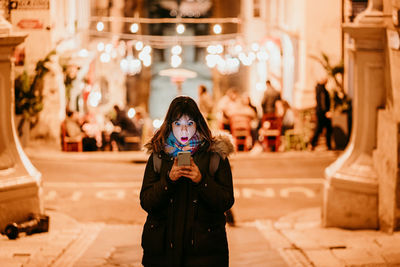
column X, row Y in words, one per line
column 222, row 144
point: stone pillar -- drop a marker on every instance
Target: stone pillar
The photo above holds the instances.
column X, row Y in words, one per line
column 351, row 186
column 387, row 154
column 19, row 181
column 386, row 159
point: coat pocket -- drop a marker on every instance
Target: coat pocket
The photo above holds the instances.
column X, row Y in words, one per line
column 209, row 238
column 154, row 237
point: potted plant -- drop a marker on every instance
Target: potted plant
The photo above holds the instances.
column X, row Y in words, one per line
column 29, row 97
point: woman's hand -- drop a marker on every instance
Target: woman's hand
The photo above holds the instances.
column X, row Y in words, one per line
column 192, row 171
column 176, row 171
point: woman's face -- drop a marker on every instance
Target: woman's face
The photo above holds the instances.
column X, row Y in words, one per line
column 183, row 129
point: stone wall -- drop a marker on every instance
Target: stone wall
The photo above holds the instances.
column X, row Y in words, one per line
column 386, row 163
column 386, row 154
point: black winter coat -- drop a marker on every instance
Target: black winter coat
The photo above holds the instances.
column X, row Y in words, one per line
column 185, row 225
column 323, row 100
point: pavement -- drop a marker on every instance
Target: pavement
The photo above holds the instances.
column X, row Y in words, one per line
column 294, row 240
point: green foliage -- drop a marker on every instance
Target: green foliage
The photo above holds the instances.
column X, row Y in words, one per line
column 335, row 72
column 29, row 94
column 28, row 101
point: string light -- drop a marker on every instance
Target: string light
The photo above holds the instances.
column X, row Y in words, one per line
column 108, row 48
column 180, row 28
column 212, row 49
column 238, row 48
column 176, row 61
column 131, row 113
column 147, row 49
column 176, row 50
column 94, row 98
column 147, row 61
column 100, row 46
column 226, row 54
column 217, row 29
column 262, row 56
column 130, row 65
column 255, row 47
column 139, row 45
column 134, row 28
column 105, row 58
column 100, row 26
column 220, row 49
column 157, row 123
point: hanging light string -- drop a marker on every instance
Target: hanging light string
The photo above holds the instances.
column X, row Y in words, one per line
column 226, row 51
column 166, row 20
column 160, row 41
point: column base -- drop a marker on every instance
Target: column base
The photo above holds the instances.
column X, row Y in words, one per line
column 19, row 197
column 351, row 198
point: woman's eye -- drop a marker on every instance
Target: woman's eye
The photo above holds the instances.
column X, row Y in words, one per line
column 190, row 123
column 177, row 123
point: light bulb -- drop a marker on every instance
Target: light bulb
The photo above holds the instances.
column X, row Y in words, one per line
column 147, row 49
column 217, row 29
column 100, row 26
column 139, row 45
column 176, row 50
column 176, row 61
column 180, row 28
column 100, row 46
column 131, row 113
column 134, row 28
column 255, row 47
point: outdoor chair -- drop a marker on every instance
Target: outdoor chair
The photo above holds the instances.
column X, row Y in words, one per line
column 270, row 132
column 68, row 143
column 241, row 132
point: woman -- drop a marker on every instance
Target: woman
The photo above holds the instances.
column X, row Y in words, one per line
column 185, row 225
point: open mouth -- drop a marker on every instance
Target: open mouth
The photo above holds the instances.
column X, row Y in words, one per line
column 184, row 139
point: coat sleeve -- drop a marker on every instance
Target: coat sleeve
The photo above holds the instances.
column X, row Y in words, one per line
column 217, row 191
column 156, row 190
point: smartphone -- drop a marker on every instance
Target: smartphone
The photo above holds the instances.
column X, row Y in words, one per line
column 184, row 158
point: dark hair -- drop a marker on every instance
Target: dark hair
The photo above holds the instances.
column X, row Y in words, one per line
column 116, row 108
column 181, row 105
column 202, row 88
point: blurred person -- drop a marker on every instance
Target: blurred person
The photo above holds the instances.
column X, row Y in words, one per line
column 224, row 106
column 271, row 95
column 243, row 107
column 72, row 126
column 143, row 123
column 323, row 113
column 255, row 121
column 93, row 138
column 124, row 127
column 205, row 102
column 185, row 225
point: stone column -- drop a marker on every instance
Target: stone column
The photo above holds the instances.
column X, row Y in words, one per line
column 387, row 154
column 19, row 181
column 351, row 186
